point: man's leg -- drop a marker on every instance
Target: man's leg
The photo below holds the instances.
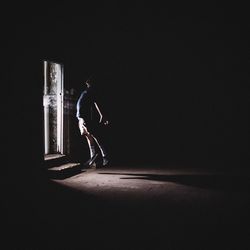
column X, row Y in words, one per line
column 91, row 142
column 101, row 147
column 103, row 151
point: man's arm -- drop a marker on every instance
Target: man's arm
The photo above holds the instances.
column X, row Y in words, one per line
column 101, row 115
column 78, row 106
column 78, row 109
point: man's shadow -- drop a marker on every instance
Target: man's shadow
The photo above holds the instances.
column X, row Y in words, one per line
column 207, row 181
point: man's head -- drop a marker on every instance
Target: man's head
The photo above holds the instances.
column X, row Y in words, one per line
column 89, row 81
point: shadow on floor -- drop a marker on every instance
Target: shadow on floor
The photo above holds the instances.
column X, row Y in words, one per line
column 214, row 181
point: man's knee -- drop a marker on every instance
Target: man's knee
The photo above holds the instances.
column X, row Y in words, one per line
column 87, row 134
column 83, row 130
column 84, row 133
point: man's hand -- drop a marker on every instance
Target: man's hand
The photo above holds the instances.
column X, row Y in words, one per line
column 104, row 121
column 81, row 121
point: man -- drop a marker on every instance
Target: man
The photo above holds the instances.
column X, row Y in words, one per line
column 88, row 127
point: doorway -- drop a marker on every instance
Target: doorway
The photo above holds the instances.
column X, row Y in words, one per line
column 53, row 97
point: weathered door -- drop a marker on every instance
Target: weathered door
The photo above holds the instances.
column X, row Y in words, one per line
column 53, row 108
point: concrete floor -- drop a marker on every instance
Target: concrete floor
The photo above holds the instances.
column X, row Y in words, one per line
column 144, row 208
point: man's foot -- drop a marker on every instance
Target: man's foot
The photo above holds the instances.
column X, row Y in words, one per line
column 91, row 161
column 105, row 161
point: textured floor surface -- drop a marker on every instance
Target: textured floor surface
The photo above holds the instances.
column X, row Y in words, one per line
column 139, row 208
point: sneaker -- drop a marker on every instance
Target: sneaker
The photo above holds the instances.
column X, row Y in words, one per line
column 91, row 161
column 105, row 161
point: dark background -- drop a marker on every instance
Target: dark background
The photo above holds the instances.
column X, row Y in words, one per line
column 174, row 78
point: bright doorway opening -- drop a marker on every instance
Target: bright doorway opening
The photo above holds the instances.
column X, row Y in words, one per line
column 53, row 101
